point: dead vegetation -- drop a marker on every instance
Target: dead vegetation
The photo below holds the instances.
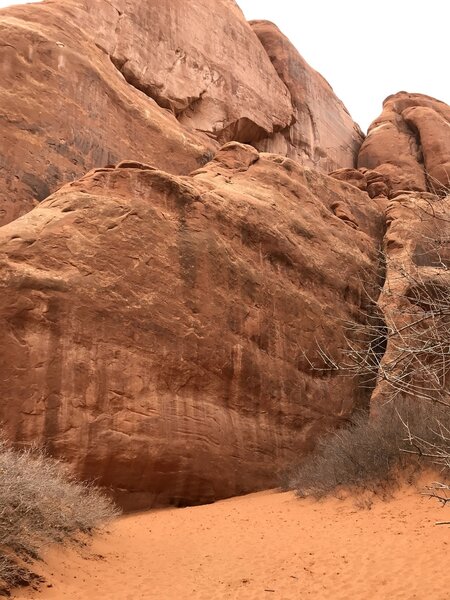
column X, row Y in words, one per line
column 369, row 452
column 41, row 503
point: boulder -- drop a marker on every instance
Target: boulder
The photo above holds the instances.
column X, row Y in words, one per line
column 353, row 177
column 160, row 332
column 374, row 183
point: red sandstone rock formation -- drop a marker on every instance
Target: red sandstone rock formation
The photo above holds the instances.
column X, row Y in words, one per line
column 323, row 134
column 157, row 329
column 65, row 108
column 200, row 61
column 373, row 182
column 410, row 143
column 85, row 84
column 415, row 300
column 160, row 330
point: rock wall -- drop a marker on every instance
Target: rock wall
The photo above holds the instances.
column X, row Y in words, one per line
column 161, row 324
column 161, row 332
column 86, row 84
column 415, row 301
column 65, row 108
column 407, row 152
column 199, row 61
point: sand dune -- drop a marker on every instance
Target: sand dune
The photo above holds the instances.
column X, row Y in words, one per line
column 267, row 545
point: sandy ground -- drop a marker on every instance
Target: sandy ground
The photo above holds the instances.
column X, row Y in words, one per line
column 267, row 545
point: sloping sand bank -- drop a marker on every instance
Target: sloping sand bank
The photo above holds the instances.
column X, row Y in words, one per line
column 266, row 545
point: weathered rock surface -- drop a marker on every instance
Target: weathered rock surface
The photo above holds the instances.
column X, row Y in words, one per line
column 86, row 84
column 410, row 143
column 199, row 60
column 323, row 135
column 158, row 329
column 65, row 108
column 415, row 300
column 373, row 182
column 162, row 318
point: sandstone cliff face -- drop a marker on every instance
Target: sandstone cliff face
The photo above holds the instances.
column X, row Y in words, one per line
column 65, row 108
column 415, row 300
column 85, row 84
column 161, row 324
column 323, row 135
column 410, row 143
column 199, row 61
column 157, row 329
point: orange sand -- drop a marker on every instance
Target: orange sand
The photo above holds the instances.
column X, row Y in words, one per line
column 266, row 545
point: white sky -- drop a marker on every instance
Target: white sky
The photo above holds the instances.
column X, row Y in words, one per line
column 366, row 49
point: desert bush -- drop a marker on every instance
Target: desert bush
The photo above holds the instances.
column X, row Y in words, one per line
column 369, row 452
column 41, row 503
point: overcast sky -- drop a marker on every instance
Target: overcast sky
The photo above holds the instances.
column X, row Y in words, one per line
column 366, row 49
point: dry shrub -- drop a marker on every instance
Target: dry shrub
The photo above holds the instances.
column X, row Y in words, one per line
column 41, row 503
column 369, row 452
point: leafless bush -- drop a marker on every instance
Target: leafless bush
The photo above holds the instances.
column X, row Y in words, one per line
column 369, row 452
column 437, row 450
column 41, row 503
